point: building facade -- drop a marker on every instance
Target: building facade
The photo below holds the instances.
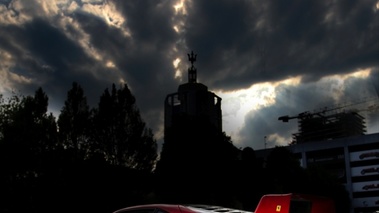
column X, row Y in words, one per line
column 354, row 160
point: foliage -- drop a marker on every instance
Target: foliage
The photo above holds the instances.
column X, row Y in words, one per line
column 92, row 154
column 120, row 133
column 284, row 171
column 42, row 160
column 28, row 132
column 74, row 122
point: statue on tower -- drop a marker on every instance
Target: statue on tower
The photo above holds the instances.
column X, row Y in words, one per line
column 192, row 57
column 192, row 69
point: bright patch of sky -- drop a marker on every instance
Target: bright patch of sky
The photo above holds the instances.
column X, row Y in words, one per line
column 237, row 105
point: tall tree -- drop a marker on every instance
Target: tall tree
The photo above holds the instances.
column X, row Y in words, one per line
column 121, row 132
column 284, row 171
column 28, row 132
column 74, row 122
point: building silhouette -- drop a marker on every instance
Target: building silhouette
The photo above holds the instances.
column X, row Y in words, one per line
column 332, row 139
column 337, row 142
column 195, row 148
column 192, row 101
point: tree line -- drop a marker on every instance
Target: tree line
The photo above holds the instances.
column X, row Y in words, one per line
column 103, row 158
column 35, row 146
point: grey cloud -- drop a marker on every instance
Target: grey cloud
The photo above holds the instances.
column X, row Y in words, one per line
column 50, row 58
column 358, row 93
column 5, row 2
column 142, row 58
column 296, row 39
column 238, row 43
column 149, row 21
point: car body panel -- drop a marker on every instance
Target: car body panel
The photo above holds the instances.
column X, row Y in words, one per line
column 271, row 203
column 175, row 208
column 288, row 203
column 169, row 208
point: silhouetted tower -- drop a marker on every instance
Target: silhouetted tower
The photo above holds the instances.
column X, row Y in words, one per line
column 193, row 101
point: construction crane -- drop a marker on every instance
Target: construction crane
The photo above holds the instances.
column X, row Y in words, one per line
column 330, row 123
column 370, row 108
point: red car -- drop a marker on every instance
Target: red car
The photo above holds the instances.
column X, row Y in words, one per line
column 174, row 208
column 271, row 203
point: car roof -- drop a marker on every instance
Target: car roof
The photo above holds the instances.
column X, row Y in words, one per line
column 214, row 209
column 184, row 208
column 166, row 207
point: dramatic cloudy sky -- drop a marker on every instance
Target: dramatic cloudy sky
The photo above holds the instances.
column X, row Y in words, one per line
column 264, row 58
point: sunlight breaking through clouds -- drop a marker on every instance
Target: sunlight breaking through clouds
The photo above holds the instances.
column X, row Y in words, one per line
column 180, row 7
column 178, row 25
column 8, row 79
column 110, row 64
column 279, row 140
column 180, row 12
column 14, row 14
column 20, row 12
column 108, row 12
column 338, row 86
column 236, row 105
column 176, row 63
column 99, row 41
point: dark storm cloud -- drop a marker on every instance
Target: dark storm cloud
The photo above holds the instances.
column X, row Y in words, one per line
column 310, row 38
column 51, row 45
column 145, row 57
column 238, row 43
column 5, row 2
column 220, row 33
column 149, row 21
column 45, row 53
column 50, row 58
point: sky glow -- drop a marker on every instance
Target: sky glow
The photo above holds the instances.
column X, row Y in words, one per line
column 264, row 58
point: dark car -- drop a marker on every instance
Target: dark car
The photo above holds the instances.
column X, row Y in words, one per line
column 174, row 208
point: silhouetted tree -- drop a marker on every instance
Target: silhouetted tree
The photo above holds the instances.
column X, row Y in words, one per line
column 27, row 131
column 284, row 171
column 28, row 134
column 38, row 170
column 250, row 177
column 74, row 122
column 120, row 132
